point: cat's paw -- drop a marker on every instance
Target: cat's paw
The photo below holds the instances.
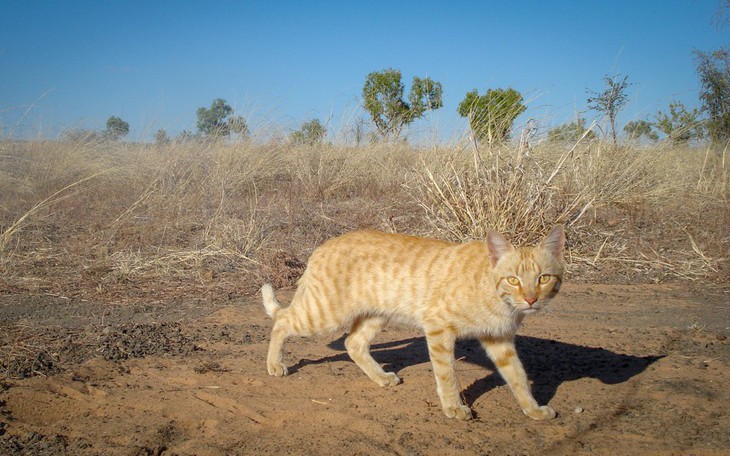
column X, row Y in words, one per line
column 277, row 369
column 541, row 413
column 388, row 379
column 460, row 412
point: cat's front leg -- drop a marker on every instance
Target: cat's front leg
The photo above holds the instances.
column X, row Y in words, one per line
column 503, row 354
column 441, row 350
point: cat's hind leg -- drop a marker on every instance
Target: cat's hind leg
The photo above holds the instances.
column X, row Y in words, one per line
column 274, row 360
column 363, row 331
column 303, row 317
column 294, row 320
column 282, row 329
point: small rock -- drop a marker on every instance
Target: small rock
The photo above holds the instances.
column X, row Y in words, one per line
column 578, row 410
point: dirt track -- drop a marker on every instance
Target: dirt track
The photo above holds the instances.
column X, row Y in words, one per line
column 629, row 369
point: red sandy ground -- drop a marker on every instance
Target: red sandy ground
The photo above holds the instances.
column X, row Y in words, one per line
column 630, row 370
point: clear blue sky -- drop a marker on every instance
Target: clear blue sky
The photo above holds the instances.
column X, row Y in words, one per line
column 72, row 64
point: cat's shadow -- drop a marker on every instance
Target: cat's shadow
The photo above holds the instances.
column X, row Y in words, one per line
column 548, row 363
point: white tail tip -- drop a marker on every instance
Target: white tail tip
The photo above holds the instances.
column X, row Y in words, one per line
column 271, row 305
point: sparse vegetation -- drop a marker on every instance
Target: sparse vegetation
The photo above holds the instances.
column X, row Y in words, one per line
column 85, row 218
column 232, row 214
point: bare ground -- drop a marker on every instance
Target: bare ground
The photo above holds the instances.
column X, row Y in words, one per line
column 630, row 369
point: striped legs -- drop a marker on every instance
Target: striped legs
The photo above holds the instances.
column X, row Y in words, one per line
column 441, row 350
column 280, row 331
column 502, row 352
column 358, row 347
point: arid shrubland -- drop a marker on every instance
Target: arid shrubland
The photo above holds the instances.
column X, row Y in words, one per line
column 99, row 215
column 138, row 210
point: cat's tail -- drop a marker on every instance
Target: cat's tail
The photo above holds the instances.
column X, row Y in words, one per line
column 271, row 305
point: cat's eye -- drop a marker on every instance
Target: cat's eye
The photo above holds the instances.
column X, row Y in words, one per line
column 545, row 278
column 514, row 281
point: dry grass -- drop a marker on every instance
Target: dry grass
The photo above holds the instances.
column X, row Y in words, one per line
column 82, row 219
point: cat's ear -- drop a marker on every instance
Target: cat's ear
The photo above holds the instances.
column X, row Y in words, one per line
column 554, row 242
column 498, row 246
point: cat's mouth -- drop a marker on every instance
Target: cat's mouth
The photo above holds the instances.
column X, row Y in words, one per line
column 528, row 308
column 525, row 307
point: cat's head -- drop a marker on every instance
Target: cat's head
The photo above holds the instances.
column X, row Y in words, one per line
column 527, row 277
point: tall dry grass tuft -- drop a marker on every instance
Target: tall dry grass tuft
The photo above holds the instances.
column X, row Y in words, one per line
column 652, row 211
column 465, row 194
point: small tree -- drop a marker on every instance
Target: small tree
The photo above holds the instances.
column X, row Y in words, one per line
column 491, row 115
column 383, row 98
column 570, row 132
column 611, row 100
column 214, row 121
column 714, row 72
column 680, row 125
column 310, row 133
column 116, row 128
column 635, row 129
column 161, row 138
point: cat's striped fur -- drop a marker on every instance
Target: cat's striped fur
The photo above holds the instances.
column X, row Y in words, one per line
column 482, row 290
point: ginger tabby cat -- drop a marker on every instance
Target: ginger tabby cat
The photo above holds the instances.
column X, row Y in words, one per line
column 480, row 290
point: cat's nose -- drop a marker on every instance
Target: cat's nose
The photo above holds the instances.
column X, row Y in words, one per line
column 531, row 301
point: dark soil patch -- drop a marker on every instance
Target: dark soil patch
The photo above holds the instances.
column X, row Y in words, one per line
column 26, row 352
column 140, row 340
column 38, row 445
